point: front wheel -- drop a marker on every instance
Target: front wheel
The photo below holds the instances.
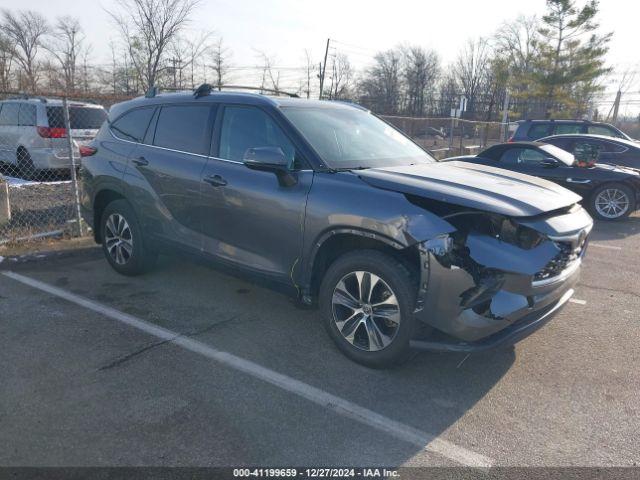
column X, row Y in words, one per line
column 612, row 202
column 123, row 243
column 367, row 300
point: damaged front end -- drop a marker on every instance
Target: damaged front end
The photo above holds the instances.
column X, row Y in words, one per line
column 496, row 279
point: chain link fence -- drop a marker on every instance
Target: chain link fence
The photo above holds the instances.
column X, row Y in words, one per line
column 41, row 142
column 447, row 137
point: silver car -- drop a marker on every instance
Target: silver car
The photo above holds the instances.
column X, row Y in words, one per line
column 33, row 136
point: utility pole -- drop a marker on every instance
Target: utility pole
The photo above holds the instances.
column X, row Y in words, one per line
column 324, row 68
column 174, row 61
column 616, row 107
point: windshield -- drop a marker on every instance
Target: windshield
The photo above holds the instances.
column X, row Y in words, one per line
column 562, row 155
column 347, row 138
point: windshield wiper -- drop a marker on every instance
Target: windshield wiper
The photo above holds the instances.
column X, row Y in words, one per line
column 346, row 169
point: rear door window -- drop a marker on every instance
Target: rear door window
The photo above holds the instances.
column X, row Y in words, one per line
column 133, row 125
column 186, row 128
column 80, row 118
column 27, row 115
column 538, row 130
column 9, row 114
column 567, row 128
column 601, row 130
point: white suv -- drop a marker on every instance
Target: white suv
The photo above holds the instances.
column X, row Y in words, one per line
column 33, row 136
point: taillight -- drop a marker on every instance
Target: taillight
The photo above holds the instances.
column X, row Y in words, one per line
column 86, row 151
column 510, row 140
column 52, row 132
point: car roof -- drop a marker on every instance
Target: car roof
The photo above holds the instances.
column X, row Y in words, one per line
column 518, row 143
column 50, row 102
column 243, row 98
column 623, row 141
column 561, row 120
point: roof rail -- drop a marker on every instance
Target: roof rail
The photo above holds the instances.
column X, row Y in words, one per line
column 26, row 96
column 207, row 89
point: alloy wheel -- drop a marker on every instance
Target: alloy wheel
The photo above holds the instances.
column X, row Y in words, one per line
column 365, row 311
column 118, row 239
column 612, row 203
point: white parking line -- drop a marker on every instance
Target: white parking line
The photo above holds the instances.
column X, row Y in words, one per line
column 608, row 247
column 327, row 400
column 579, row 302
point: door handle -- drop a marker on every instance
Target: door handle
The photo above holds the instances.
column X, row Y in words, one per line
column 215, row 180
column 578, row 180
column 140, row 161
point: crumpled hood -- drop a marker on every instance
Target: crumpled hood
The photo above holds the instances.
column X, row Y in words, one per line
column 476, row 186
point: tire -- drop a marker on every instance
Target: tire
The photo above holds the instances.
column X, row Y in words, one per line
column 123, row 242
column 391, row 334
column 26, row 168
column 620, row 197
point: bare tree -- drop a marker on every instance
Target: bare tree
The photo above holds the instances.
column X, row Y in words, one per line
column 67, row 45
column 471, row 69
column 148, row 27
column 421, row 69
column 309, row 68
column 25, row 31
column 381, row 84
column 342, row 76
column 270, row 79
column 221, row 56
column 186, row 53
column 517, row 42
column 6, row 62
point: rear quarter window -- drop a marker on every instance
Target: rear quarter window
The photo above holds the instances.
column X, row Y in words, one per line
column 80, row 118
column 538, row 130
column 602, row 130
column 132, row 126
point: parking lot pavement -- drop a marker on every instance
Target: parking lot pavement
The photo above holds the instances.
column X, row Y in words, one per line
column 82, row 388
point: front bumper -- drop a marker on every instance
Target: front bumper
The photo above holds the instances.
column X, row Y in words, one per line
column 504, row 306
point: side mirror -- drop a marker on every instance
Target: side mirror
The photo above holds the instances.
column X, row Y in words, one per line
column 549, row 162
column 270, row 159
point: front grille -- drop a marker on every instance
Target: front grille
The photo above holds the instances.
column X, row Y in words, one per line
column 564, row 259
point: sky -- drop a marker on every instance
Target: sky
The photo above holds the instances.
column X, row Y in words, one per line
column 284, row 28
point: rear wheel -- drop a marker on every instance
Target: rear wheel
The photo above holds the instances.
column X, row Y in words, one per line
column 123, row 243
column 26, row 168
column 367, row 300
column 612, row 202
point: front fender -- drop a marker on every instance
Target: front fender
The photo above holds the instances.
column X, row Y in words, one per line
column 342, row 203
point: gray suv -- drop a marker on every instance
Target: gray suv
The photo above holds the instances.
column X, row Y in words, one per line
column 329, row 203
column 33, row 136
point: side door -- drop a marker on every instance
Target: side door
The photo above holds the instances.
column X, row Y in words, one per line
column 533, row 161
column 165, row 170
column 254, row 219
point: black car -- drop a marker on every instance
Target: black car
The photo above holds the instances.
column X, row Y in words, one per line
column 336, row 207
column 609, row 192
column 529, row 130
column 613, row 151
